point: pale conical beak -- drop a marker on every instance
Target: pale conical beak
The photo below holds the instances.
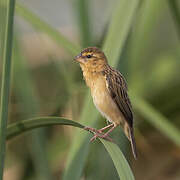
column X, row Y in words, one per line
column 79, row 58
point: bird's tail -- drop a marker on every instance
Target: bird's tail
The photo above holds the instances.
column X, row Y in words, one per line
column 130, row 134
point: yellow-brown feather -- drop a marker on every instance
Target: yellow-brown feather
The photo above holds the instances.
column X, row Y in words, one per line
column 101, row 97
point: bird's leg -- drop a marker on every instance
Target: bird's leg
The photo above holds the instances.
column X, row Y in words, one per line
column 100, row 131
column 110, row 130
column 92, row 130
column 104, row 136
column 96, row 133
column 104, row 128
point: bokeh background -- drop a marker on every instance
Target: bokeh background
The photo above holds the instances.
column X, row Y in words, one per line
column 47, row 82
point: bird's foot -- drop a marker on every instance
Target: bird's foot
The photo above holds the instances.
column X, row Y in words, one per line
column 98, row 134
column 103, row 136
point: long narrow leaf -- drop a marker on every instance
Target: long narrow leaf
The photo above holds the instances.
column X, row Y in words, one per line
column 120, row 162
column 119, row 27
column 147, row 18
column 117, row 156
column 3, row 10
column 6, row 77
column 26, row 125
column 83, row 19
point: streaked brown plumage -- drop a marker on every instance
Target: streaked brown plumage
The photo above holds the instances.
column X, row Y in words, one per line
column 109, row 92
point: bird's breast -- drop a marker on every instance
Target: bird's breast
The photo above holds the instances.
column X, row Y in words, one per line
column 103, row 101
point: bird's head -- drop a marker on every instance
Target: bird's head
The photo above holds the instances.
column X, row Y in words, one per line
column 91, row 58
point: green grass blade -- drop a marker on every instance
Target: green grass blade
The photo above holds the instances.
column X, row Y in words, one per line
column 46, row 28
column 6, row 77
column 3, row 10
column 20, row 127
column 117, row 156
column 119, row 28
column 147, row 18
column 83, row 18
column 156, row 119
column 120, row 162
column 113, row 45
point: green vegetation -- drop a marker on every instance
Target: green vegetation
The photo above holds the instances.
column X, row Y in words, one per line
column 46, row 94
column 6, row 76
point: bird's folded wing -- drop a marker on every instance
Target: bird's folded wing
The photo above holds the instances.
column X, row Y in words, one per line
column 117, row 87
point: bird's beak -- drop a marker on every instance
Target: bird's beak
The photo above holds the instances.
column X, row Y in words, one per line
column 79, row 58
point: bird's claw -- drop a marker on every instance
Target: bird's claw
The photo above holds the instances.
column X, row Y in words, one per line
column 103, row 136
column 98, row 134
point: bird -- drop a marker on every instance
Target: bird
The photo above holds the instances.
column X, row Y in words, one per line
column 109, row 92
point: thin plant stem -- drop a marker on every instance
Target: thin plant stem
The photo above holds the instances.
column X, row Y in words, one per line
column 84, row 21
column 6, row 77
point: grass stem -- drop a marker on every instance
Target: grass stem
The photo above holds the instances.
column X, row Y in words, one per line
column 6, row 77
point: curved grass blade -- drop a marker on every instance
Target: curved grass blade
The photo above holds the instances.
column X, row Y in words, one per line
column 18, row 128
column 117, row 156
column 120, row 162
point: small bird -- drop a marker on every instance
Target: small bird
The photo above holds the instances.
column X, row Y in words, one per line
column 109, row 92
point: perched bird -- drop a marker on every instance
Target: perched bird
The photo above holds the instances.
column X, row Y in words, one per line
column 109, row 92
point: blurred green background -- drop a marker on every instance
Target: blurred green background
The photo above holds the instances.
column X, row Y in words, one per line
column 141, row 39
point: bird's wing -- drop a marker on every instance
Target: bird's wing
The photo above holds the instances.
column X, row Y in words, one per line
column 117, row 87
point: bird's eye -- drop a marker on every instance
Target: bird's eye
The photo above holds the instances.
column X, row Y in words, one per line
column 89, row 56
